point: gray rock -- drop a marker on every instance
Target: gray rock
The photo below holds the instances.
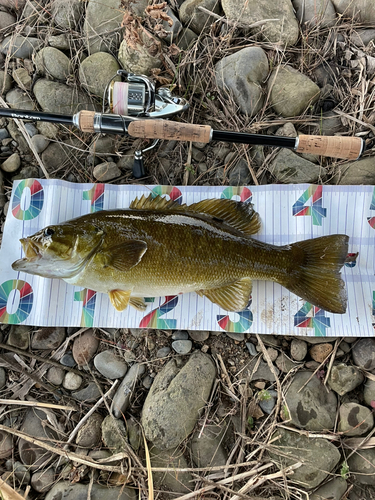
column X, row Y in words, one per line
column 298, row 349
column 262, row 373
column 84, row 347
column 6, row 445
column 19, row 46
column 362, row 466
column 182, row 346
column 3, row 378
column 267, row 400
column 174, row 30
column 32, row 15
column 284, row 31
column 12, row 163
column 364, row 354
column 251, row 348
column 34, row 425
column 49, row 130
column 186, row 39
column 104, row 145
column 102, row 28
column 317, row 340
column 163, row 352
column 291, row 92
column 318, row 456
column 89, row 435
column 315, row 12
column 6, row 81
column 355, row 419
column 114, row 434
column 333, row 490
column 67, row 14
column 361, row 9
column 18, row 472
column 53, row 63
column 330, row 123
column 140, row 58
column 369, row 392
column 19, row 99
column 48, row 338
column 171, row 481
column 134, row 434
column 121, row 399
column 180, row 335
column 60, row 42
column 55, row 97
column 72, row 381
column 357, row 172
column 178, row 394
column 148, row 380
column 199, row 335
column 239, row 337
column 289, row 168
column 197, row 20
column 242, row 74
column 110, row 365
column 207, row 448
column 344, row 378
column 22, row 77
column 285, row 364
column 18, row 137
column 106, row 171
column 88, row 394
column 363, row 37
column 95, row 72
column 13, row 4
column 43, row 481
column 68, row 360
column 6, row 20
column 312, row 408
column 240, row 174
column 19, row 336
column 78, row 491
column 3, row 134
column 55, row 375
column 31, row 129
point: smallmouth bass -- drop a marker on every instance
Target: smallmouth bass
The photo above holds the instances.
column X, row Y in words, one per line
column 158, row 247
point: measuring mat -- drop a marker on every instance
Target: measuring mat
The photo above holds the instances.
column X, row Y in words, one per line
column 289, row 213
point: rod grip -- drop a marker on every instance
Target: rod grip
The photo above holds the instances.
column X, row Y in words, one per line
column 169, row 130
column 347, row 148
column 86, row 121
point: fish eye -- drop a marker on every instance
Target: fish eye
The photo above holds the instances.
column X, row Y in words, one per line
column 48, row 232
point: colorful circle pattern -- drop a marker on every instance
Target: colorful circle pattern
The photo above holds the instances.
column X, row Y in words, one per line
column 25, row 303
column 243, row 192
column 173, row 193
column 36, row 200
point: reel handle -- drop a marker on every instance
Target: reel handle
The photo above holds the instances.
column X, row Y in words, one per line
column 168, row 130
column 347, row 148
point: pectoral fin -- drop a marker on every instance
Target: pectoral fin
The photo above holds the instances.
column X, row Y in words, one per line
column 124, row 256
column 234, row 297
column 120, row 299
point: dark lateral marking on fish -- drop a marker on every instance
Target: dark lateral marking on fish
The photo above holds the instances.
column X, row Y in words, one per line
column 216, row 219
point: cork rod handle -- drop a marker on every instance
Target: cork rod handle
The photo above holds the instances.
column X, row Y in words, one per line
column 169, row 130
column 86, row 121
column 347, row 148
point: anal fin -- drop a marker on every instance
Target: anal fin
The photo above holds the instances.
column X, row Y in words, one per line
column 138, row 303
column 233, row 297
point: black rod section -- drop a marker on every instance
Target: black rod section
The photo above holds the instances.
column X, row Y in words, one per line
column 23, row 114
column 262, row 140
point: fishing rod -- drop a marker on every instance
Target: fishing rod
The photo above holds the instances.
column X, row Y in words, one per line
column 137, row 110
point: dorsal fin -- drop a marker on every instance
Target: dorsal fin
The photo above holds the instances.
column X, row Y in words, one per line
column 238, row 215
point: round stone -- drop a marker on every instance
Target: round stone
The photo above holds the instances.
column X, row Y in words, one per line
column 298, row 349
column 199, row 335
column 48, row 338
column 106, row 171
column 84, row 347
column 72, row 381
column 12, row 163
column 6, row 444
column 182, row 346
column 43, row 481
column 355, row 419
column 319, row 352
column 90, row 433
column 364, row 354
column 55, row 375
column 344, row 378
column 180, row 335
column 163, row 352
column 68, row 360
column 110, row 365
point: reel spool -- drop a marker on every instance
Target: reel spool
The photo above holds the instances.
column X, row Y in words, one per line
column 136, row 96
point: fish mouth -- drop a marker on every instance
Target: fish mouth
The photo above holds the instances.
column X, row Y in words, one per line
column 31, row 249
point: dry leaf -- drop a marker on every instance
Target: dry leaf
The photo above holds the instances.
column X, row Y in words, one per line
column 253, row 410
column 156, row 12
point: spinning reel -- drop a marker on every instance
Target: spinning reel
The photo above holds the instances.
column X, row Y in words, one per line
column 135, row 96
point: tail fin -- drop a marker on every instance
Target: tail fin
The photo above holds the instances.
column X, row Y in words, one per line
column 317, row 278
